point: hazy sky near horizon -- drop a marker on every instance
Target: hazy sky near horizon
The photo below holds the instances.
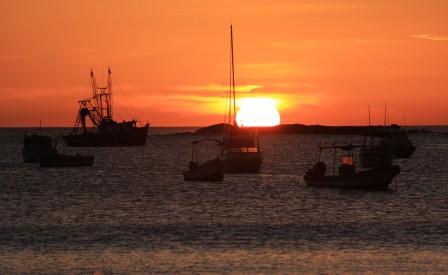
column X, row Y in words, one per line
column 323, row 61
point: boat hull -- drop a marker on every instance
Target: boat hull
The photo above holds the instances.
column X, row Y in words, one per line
column 378, row 178
column 31, row 155
column 375, row 157
column 394, row 141
column 403, row 152
column 242, row 162
column 132, row 137
column 66, row 161
column 212, row 170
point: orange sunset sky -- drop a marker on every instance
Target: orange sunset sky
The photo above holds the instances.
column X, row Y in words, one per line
column 323, row 61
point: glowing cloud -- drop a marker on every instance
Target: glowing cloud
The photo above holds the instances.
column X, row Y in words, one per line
column 431, row 37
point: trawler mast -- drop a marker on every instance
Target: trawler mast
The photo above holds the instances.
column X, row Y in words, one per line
column 103, row 96
column 98, row 107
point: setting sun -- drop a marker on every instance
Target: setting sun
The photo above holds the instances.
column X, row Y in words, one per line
column 257, row 112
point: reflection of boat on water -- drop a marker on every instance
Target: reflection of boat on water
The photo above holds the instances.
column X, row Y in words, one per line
column 210, row 170
column 63, row 160
column 241, row 150
column 391, row 139
column 107, row 131
column 35, row 146
column 377, row 177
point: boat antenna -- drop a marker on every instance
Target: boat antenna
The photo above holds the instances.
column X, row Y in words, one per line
column 388, row 117
column 370, row 124
column 385, row 113
column 109, row 93
column 404, row 118
column 40, row 127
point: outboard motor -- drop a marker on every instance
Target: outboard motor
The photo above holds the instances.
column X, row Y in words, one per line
column 192, row 165
column 317, row 171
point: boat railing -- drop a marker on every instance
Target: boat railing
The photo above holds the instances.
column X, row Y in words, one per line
column 244, row 150
column 346, row 159
column 195, row 154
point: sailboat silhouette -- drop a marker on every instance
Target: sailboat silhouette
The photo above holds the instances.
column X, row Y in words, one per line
column 241, row 150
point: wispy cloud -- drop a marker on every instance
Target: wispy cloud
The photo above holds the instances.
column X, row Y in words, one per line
column 326, row 7
column 434, row 37
column 269, row 69
column 217, row 88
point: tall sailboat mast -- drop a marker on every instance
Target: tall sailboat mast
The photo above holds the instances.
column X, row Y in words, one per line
column 240, row 151
column 232, row 81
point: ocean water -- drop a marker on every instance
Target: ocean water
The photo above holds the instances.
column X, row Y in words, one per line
column 133, row 213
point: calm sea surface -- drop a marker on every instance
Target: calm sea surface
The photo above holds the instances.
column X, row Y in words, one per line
column 133, row 213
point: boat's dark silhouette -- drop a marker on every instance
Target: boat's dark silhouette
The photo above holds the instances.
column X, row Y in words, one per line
column 378, row 176
column 106, row 131
column 36, row 146
column 241, row 150
column 209, row 170
column 43, row 150
column 393, row 140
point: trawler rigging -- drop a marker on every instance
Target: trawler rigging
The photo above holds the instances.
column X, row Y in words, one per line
column 106, row 131
column 98, row 107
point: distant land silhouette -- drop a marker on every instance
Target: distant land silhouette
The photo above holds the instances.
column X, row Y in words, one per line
column 301, row 129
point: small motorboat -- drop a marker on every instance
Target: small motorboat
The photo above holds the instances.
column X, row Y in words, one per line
column 209, row 170
column 392, row 140
column 376, row 177
column 37, row 145
column 63, row 160
column 43, row 150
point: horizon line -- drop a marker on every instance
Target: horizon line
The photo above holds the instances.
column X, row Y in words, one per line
column 203, row 126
